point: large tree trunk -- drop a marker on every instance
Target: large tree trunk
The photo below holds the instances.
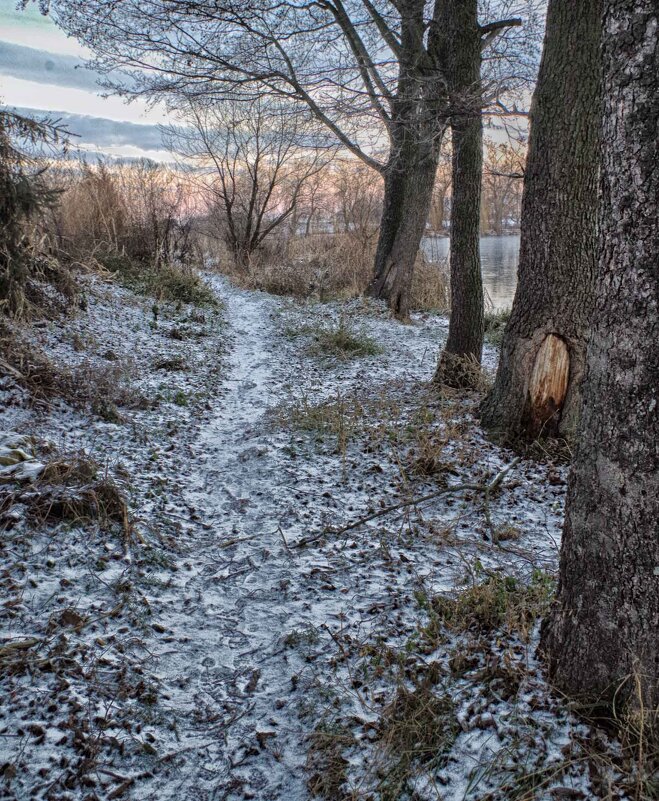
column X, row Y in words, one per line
column 408, row 185
column 552, row 311
column 603, row 633
column 465, row 338
column 418, row 125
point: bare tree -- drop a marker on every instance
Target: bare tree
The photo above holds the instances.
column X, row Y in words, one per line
column 503, row 175
column 254, row 162
column 463, row 54
column 369, row 70
column 602, row 637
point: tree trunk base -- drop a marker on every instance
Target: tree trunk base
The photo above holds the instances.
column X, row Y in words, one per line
column 459, row 372
column 396, row 299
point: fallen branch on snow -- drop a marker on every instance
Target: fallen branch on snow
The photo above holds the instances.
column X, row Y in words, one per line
column 487, row 489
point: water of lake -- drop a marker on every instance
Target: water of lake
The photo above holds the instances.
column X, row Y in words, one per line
column 499, row 257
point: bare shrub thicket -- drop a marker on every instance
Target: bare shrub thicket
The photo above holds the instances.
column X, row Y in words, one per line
column 136, row 211
column 326, row 251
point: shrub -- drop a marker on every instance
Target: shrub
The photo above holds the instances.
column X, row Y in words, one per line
column 331, row 267
column 132, row 212
column 495, row 325
column 166, row 283
column 343, row 341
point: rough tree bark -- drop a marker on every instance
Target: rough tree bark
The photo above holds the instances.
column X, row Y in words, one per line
column 419, row 121
column 603, row 631
column 465, row 338
column 551, row 314
column 408, row 184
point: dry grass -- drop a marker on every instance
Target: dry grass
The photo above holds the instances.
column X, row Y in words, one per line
column 461, row 372
column 72, row 488
column 102, row 389
column 499, row 602
column 342, row 340
column 345, row 417
column 410, row 424
column 100, row 501
column 326, row 766
column 495, row 325
column 324, row 267
column 332, row 267
column 415, row 731
column 426, row 455
column 431, row 289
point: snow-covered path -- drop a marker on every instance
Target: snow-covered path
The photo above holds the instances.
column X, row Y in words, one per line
column 255, row 669
column 233, row 664
column 243, row 617
column 250, row 599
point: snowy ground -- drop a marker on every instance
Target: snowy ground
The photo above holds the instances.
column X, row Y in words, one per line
column 235, row 643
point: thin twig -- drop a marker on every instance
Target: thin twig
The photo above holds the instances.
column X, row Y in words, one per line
column 486, row 488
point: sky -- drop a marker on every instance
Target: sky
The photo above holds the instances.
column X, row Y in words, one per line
column 42, row 74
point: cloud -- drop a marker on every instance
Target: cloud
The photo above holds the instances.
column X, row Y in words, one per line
column 40, row 95
column 31, row 28
column 43, row 66
column 110, row 136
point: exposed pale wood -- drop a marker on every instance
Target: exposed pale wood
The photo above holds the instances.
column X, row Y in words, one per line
column 549, row 378
column 557, row 257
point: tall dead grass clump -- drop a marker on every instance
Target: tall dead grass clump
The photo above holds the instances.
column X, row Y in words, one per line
column 320, row 266
column 135, row 212
column 431, row 287
column 331, row 266
column 131, row 221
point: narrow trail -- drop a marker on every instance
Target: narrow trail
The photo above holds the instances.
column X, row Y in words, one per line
column 247, row 587
column 249, row 594
column 236, row 627
column 256, row 668
column 243, row 494
column 241, row 603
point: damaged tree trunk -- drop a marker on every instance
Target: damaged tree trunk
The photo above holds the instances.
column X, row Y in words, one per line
column 602, row 636
column 464, row 346
column 537, row 387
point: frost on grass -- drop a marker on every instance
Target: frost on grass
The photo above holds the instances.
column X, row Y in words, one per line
column 229, row 637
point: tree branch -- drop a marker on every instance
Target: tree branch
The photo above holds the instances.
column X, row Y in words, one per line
column 490, row 31
column 385, row 31
column 495, row 27
column 485, row 488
